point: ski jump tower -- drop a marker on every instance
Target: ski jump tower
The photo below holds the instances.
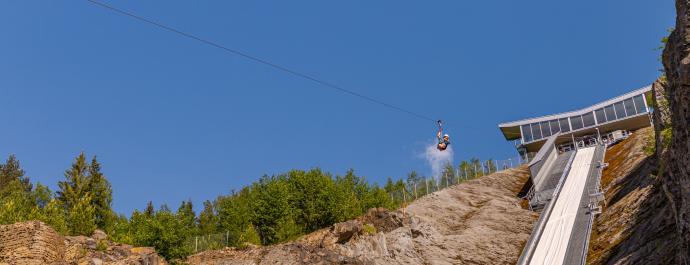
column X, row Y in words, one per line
column 566, row 153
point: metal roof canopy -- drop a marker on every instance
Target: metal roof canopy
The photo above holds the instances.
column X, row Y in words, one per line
column 511, row 130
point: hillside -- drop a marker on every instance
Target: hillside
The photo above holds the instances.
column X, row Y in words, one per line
column 477, row 222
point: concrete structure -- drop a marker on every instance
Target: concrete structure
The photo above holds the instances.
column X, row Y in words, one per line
column 567, row 154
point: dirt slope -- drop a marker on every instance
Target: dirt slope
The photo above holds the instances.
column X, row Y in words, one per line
column 635, row 226
column 35, row 243
column 477, row 222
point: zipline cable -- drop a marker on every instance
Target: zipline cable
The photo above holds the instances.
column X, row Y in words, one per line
column 257, row 59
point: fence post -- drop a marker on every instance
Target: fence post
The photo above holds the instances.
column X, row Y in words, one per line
column 415, row 190
column 227, row 238
column 196, row 243
column 426, row 185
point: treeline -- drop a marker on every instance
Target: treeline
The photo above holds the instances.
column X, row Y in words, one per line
column 271, row 210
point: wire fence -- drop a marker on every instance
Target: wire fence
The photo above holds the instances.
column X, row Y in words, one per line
column 416, row 187
column 208, row 242
column 411, row 189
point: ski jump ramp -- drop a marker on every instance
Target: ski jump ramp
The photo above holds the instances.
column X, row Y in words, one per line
column 554, row 240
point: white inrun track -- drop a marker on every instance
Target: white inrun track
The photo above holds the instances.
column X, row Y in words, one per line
column 553, row 242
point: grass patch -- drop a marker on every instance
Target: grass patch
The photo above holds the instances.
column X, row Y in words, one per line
column 369, row 229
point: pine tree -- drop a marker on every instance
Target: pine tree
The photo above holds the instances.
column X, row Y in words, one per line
column 102, row 195
column 81, row 217
column 150, row 211
column 75, row 186
column 10, row 171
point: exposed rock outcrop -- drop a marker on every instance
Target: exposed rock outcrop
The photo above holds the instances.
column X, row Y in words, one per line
column 477, row 222
column 635, row 226
column 676, row 165
column 36, row 243
column 30, row 243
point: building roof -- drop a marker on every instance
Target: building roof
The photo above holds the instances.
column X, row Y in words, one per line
column 511, row 130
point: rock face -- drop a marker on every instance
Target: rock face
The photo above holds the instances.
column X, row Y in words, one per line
column 477, row 222
column 635, row 226
column 30, row 243
column 36, row 243
column 676, row 166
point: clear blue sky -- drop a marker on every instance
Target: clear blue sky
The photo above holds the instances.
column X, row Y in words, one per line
column 172, row 119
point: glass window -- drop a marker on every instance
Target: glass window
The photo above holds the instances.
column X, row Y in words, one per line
column 554, row 127
column 601, row 117
column 588, row 119
column 536, row 132
column 565, row 126
column 629, row 107
column 526, row 133
column 620, row 111
column 576, row 122
column 610, row 113
column 545, row 129
column 639, row 104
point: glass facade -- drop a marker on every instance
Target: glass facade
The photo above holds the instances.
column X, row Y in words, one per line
column 545, row 129
column 619, row 110
column 610, row 113
column 554, row 127
column 526, row 133
column 565, row 126
column 588, row 119
column 536, row 131
column 576, row 122
column 639, row 104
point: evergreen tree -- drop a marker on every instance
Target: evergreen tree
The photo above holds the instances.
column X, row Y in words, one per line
column 10, row 171
column 81, row 217
column 102, row 195
column 75, row 186
column 150, row 211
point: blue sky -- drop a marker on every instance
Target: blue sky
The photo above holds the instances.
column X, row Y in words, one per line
column 172, row 119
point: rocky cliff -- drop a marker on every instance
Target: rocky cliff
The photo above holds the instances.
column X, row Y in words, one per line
column 477, row 222
column 675, row 166
column 635, row 226
column 36, row 243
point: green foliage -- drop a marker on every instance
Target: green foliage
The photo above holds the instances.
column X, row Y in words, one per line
column 163, row 230
column 101, row 194
column 81, row 216
column 369, row 229
column 102, row 245
column 11, row 171
column 208, row 220
column 86, row 196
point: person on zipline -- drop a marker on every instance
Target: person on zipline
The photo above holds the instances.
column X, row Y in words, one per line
column 444, row 141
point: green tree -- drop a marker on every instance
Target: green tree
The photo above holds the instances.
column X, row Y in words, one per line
column 187, row 216
column 81, row 216
column 273, row 213
column 235, row 215
column 102, row 195
column 208, row 220
column 16, row 204
column 10, row 171
column 76, row 199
